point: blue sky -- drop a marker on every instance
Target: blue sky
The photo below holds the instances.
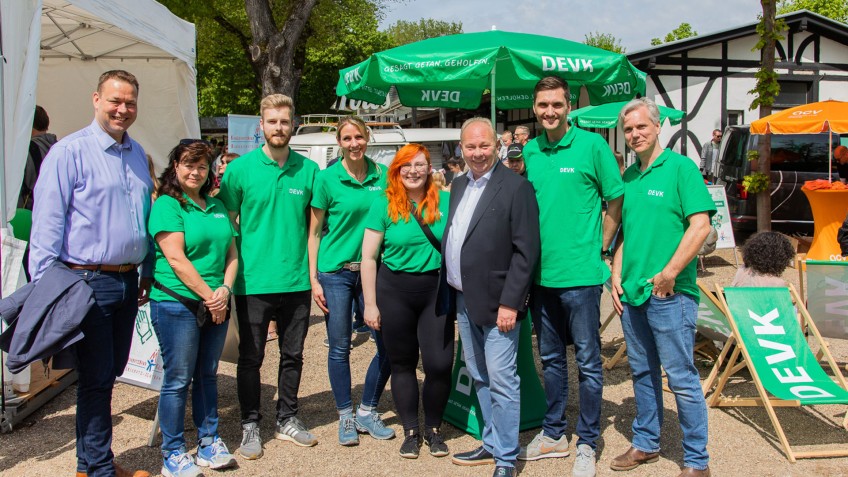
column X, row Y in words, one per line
column 634, row 22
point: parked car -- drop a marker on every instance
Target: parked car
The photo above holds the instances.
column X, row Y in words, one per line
column 386, row 140
column 795, row 159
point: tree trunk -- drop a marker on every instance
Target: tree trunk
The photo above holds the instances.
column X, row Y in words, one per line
column 764, row 161
column 275, row 52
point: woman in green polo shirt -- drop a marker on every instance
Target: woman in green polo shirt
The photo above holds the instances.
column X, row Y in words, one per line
column 407, row 225
column 196, row 264
column 341, row 196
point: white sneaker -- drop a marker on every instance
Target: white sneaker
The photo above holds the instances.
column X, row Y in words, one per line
column 584, row 462
column 543, row 447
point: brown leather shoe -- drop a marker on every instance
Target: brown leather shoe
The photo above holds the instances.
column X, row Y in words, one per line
column 690, row 472
column 122, row 472
column 633, row 458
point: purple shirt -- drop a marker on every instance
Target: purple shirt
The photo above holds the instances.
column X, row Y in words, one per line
column 92, row 201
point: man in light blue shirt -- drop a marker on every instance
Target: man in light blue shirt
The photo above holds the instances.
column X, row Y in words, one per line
column 92, row 201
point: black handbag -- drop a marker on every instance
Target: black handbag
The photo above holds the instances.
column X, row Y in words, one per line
column 201, row 313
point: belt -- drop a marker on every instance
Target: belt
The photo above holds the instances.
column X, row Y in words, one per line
column 352, row 266
column 103, row 268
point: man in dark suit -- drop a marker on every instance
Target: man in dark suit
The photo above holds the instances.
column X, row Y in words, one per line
column 489, row 255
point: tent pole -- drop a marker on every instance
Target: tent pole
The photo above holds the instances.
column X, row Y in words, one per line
column 829, row 154
column 492, row 98
column 3, row 218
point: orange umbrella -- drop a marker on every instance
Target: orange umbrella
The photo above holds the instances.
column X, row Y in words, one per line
column 814, row 118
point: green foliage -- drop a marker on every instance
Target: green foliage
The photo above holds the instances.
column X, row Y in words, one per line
column 342, row 33
column 834, row 9
column 753, row 155
column 404, row 32
column 684, row 30
column 755, row 183
column 767, row 88
column 604, row 41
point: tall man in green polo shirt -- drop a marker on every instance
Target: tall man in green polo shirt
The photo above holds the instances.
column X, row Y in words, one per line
column 665, row 217
column 572, row 171
column 268, row 190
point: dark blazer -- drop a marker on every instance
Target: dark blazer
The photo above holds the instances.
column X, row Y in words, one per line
column 44, row 318
column 500, row 250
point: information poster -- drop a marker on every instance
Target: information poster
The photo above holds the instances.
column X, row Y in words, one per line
column 721, row 219
column 243, row 133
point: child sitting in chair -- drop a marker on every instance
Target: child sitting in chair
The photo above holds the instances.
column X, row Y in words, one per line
column 766, row 256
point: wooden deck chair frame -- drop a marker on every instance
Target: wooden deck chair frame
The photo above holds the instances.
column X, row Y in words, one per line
column 619, row 356
column 710, row 381
column 770, row 403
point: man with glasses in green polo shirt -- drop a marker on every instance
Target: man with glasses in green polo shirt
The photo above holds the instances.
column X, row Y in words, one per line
column 572, row 171
column 268, row 190
column 665, row 218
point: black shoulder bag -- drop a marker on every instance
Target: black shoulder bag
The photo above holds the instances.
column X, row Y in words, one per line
column 201, row 313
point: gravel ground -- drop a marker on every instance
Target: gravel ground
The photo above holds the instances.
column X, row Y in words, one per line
column 742, row 440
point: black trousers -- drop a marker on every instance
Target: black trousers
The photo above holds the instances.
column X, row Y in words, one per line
column 409, row 323
column 255, row 312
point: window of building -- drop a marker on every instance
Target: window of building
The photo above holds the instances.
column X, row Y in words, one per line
column 793, row 93
column 735, row 117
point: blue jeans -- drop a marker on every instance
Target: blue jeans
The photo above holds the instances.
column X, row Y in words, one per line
column 661, row 333
column 340, row 289
column 101, row 357
column 190, row 355
column 562, row 316
column 491, row 361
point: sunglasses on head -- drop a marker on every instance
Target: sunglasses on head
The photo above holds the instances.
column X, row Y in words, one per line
column 189, row 142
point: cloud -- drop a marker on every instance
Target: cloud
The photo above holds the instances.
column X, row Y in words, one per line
column 635, row 23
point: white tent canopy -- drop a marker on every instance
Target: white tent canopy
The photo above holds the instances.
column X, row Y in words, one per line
column 57, row 49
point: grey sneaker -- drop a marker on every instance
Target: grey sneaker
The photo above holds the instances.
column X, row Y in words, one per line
column 543, row 447
column 293, row 430
column 584, row 462
column 251, row 443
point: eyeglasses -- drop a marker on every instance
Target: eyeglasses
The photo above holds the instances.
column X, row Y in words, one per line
column 418, row 167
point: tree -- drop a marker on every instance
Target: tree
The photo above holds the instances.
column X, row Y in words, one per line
column 684, row 30
column 766, row 90
column 339, row 33
column 403, row 32
column 604, row 41
column 834, row 9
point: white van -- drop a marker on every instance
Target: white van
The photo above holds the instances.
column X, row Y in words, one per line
column 322, row 147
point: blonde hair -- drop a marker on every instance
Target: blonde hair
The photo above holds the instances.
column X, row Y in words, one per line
column 439, row 180
column 485, row 121
column 357, row 122
column 276, row 101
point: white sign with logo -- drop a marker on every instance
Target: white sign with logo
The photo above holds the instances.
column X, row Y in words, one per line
column 243, row 133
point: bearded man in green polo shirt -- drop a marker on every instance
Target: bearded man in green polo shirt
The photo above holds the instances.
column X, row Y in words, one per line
column 665, row 219
column 268, row 191
column 572, row 171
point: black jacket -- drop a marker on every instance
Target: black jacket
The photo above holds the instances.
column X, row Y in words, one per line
column 500, row 250
column 44, row 318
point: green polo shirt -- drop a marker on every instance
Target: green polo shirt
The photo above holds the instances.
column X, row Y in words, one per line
column 273, row 204
column 657, row 203
column 346, row 203
column 571, row 178
column 208, row 233
column 405, row 247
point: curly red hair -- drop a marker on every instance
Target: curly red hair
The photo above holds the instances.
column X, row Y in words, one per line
column 399, row 203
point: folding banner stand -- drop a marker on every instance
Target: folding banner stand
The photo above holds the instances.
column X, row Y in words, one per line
column 463, row 409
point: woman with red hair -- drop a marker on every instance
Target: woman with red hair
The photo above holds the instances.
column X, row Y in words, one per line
column 406, row 224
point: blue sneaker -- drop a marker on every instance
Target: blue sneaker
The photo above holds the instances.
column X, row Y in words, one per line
column 373, row 425
column 347, row 430
column 215, row 455
column 179, row 464
column 360, row 328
